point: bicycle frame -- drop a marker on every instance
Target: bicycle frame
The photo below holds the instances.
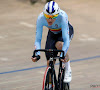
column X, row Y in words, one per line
column 61, row 69
column 53, row 73
column 51, row 65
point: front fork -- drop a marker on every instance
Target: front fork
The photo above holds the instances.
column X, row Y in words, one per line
column 53, row 77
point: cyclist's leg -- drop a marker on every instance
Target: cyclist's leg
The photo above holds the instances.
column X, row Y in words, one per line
column 59, row 45
column 50, row 44
column 47, row 74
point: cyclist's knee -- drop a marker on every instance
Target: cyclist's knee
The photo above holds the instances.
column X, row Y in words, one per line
column 59, row 45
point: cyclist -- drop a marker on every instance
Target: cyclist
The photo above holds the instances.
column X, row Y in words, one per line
column 59, row 34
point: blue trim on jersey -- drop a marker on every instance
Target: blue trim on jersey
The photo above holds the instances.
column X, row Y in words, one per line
column 53, row 7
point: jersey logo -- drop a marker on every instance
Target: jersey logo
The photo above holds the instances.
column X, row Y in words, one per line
column 56, row 25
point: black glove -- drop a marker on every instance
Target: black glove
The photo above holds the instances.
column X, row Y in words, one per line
column 37, row 57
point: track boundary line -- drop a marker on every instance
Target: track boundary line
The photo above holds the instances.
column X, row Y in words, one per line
column 76, row 60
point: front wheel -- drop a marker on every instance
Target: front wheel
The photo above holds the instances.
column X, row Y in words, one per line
column 47, row 77
column 62, row 85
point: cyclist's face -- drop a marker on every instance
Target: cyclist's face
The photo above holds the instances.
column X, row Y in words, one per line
column 50, row 21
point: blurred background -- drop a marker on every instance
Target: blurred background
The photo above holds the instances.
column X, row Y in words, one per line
column 17, row 36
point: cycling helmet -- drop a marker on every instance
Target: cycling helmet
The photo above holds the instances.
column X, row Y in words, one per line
column 51, row 8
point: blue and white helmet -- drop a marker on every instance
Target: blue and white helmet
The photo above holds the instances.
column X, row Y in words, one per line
column 51, row 8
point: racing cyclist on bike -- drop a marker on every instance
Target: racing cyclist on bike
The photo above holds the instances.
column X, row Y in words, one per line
column 59, row 34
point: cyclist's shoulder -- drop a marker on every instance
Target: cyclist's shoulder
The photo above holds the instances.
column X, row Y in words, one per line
column 63, row 14
column 40, row 16
column 41, row 21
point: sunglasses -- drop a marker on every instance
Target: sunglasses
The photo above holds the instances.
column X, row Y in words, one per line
column 51, row 16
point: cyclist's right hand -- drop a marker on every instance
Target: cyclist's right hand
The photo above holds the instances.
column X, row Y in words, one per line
column 35, row 59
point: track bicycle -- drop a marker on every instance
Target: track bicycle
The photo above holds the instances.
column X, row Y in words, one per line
column 50, row 74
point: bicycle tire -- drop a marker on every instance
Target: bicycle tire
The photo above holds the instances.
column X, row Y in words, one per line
column 63, row 86
column 61, row 78
column 46, row 76
column 46, row 80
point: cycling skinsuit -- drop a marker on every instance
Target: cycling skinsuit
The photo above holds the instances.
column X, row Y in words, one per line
column 58, row 31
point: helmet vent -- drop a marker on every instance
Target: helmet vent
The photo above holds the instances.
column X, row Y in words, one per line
column 50, row 12
column 47, row 10
column 57, row 9
column 53, row 11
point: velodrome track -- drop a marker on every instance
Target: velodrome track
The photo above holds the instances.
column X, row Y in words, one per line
column 17, row 36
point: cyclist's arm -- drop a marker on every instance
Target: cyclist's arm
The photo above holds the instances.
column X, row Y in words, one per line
column 65, row 34
column 39, row 30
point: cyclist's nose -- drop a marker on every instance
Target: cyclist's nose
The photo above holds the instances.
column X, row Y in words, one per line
column 50, row 19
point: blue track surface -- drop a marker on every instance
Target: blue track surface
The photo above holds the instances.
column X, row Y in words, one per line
column 83, row 59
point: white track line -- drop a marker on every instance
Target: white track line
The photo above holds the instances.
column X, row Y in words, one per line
column 18, row 80
column 85, row 37
column 27, row 24
column 32, row 85
column 3, row 36
column 3, row 59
